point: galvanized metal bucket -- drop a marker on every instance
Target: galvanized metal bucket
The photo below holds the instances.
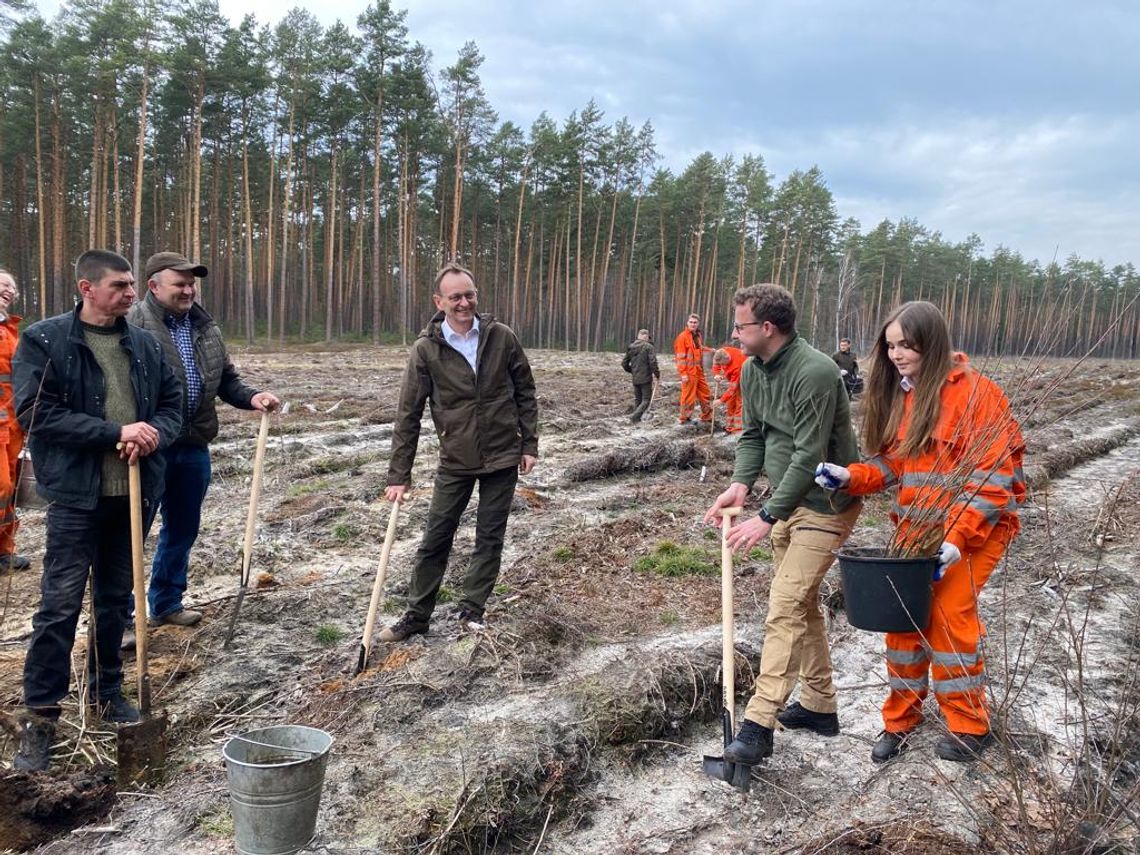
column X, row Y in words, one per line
column 26, row 495
column 275, row 776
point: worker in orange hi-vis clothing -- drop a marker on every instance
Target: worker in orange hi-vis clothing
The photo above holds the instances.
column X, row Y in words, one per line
column 11, row 437
column 944, row 440
column 727, row 362
column 688, row 349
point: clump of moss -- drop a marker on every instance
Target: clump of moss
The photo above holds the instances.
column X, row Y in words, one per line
column 328, row 635
column 562, row 554
column 671, row 560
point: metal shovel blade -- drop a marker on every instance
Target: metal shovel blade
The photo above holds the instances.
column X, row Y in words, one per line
column 737, row 775
column 141, row 750
column 719, row 769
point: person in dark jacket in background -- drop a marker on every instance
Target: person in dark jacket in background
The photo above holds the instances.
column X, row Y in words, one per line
column 194, row 348
column 848, row 367
column 641, row 363
column 93, row 394
column 475, row 374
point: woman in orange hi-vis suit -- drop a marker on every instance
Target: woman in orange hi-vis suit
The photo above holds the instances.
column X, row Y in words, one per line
column 688, row 351
column 727, row 362
column 11, row 437
column 943, row 436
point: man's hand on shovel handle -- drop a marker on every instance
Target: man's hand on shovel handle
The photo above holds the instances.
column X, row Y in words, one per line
column 743, row 536
column 733, row 497
column 395, row 493
column 144, row 436
column 266, row 402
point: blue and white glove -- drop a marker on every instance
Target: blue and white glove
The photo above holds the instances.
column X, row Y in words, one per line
column 832, row 477
column 948, row 554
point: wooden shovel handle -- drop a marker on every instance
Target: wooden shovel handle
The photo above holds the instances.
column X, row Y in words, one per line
column 728, row 646
column 138, row 581
column 378, row 588
column 254, row 498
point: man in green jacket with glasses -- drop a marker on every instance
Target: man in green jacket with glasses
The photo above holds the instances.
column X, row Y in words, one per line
column 475, row 374
column 796, row 415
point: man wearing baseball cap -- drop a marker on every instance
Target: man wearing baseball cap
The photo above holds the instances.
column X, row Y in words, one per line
column 194, row 347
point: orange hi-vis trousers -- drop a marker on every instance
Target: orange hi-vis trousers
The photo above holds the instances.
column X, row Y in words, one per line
column 947, row 654
column 694, row 389
column 733, row 409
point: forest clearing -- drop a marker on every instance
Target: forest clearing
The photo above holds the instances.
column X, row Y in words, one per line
column 575, row 722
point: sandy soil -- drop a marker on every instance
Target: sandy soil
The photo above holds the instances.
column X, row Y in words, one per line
column 576, row 722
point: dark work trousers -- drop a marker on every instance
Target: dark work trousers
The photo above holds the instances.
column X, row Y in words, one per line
column 79, row 541
column 187, row 479
column 642, row 395
column 449, row 499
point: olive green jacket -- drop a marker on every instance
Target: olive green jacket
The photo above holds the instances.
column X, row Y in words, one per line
column 796, row 416
column 485, row 422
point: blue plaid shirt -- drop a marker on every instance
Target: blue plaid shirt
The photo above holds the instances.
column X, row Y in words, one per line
column 182, row 331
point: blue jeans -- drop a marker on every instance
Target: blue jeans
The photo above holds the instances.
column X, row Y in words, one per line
column 187, row 479
column 80, row 541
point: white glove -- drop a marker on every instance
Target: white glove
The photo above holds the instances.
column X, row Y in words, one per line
column 948, row 554
column 832, row 477
column 842, row 372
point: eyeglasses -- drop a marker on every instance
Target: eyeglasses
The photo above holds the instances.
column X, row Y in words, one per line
column 739, row 327
column 469, row 296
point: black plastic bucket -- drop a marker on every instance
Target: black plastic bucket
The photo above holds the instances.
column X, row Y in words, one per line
column 886, row 594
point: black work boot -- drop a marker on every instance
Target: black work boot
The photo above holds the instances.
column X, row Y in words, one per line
column 118, row 709
column 962, row 747
column 36, row 733
column 405, row 627
column 752, row 744
column 890, row 745
column 799, row 717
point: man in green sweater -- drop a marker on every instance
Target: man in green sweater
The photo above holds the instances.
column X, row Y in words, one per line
column 796, row 414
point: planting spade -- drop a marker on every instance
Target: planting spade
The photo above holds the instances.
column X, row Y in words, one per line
column 736, row 774
column 141, row 746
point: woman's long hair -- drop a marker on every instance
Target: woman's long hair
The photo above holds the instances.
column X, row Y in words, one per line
column 925, row 330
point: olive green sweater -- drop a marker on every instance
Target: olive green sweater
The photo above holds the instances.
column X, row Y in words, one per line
column 796, row 416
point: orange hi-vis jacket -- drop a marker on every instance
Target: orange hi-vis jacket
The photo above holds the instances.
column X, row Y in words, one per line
column 730, row 372
column 969, row 478
column 11, row 436
column 9, row 337
column 687, row 349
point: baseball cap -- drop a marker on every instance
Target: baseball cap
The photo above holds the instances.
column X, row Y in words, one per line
column 173, row 261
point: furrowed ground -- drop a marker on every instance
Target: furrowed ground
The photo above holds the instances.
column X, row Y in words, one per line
column 576, row 722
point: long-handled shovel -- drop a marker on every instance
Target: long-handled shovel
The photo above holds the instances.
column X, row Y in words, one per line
column 736, row 774
column 142, row 745
column 377, row 589
column 250, row 524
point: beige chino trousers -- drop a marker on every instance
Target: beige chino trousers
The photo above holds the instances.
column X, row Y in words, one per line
column 795, row 635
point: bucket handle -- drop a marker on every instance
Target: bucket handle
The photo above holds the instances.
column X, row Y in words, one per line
column 309, row 751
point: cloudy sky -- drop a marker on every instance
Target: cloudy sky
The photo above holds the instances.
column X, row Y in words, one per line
column 1015, row 119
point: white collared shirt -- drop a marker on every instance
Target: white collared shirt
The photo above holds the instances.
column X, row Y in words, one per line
column 467, row 345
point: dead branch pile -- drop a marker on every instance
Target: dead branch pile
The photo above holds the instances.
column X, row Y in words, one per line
column 647, row 457
column 1058, row 460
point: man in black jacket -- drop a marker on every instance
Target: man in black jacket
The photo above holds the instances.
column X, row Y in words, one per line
column 194, row 348
column 92, row 394
column 641, row 363
column 473, row 370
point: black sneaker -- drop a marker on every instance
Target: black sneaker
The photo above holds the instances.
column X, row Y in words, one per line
column 752, row 744
column 890, row 745
column 963, row 747
column 119, row 710
column 405, row 627
column 799, row 717
column 36, row 733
